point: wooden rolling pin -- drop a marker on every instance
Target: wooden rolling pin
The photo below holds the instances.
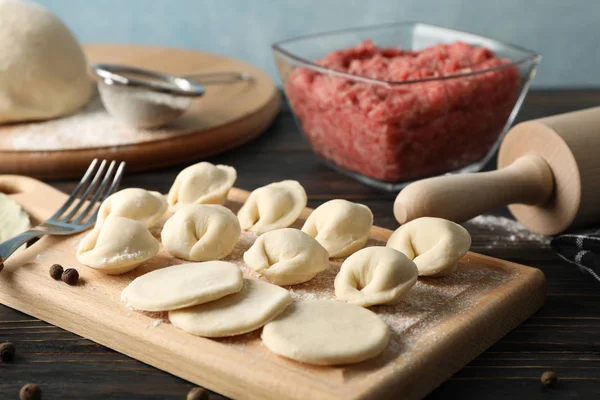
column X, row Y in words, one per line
column 548, row 173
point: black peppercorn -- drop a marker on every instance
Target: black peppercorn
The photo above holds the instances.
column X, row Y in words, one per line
column 56, row 271
column 7, row 351
column 1, row 265
column 31, row 391
column 197, row 393
column 70, row 276
column 549, row 380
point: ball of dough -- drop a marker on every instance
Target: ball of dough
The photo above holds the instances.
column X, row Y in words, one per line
column 435, row 244
column 138, row 204
column 118, row 246
column 202, row 183
column 325, row 332
column 342, row 227
column 256, row 304
column 274, row 206
column 43, row 71
column 182, row 285
column 287, row 256
column 375, row 275
column 201, row 232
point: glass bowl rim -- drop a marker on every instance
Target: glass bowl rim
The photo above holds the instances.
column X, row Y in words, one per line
column 533, row 56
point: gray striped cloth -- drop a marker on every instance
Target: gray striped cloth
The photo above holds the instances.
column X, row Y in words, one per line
column 581, row 249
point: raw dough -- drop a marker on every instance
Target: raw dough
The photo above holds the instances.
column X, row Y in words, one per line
column 43, row 71
column 141, row 205
column 118, row 246
column 182, row 285
column 274, row 206
column 342, row 227
column 375, row 275
column 256, row 304
column 287, row 256
column 13, row 220
column 202, row 183
column 435, row 244
column 326, row 332
column 201, row 232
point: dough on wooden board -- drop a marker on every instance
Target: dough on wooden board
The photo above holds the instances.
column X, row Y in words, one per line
column 434, row 244
column 287, row 256
column 141, row 205
column 342, row 227
column 273, row 206
column 43, row 70
column 201, row 232
column 13, row 219
column 375, row 275
column 118, row 246
column 326, row 332
column 202, row 183
column 182, row 285
column 256, row 304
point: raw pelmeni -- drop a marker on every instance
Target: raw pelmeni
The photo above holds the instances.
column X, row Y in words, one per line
column 202, row 183
column 141, row 205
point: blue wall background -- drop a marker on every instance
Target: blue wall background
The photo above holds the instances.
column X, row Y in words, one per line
column 565, row 32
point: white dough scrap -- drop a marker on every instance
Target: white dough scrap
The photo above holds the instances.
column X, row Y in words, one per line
column 202, row 183
column 13, row 219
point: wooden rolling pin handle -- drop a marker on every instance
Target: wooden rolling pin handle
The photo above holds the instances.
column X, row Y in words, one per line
column 528, row 180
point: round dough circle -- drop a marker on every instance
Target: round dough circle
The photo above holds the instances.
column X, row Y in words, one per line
column 182, row 285
column 375, row 275
column 118, row 246
column 274, row 206
column 141, row 205
column 201, row 232
column 435, row 244
column 287, row 256
column 256, row 304
column 14, row 220
column 342, row 227
column 44, row 71
column 325, row 332
column 202, row 183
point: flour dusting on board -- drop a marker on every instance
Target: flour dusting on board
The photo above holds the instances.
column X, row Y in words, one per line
column 509, row 229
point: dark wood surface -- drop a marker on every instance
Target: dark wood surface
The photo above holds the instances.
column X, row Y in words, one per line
column 564, row 336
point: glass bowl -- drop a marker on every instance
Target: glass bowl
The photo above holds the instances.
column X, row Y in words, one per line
column 387, row 133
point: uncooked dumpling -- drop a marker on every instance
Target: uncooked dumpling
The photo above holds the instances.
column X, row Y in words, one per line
column 43, row 71
column 287, row 256
column 202, row 183
column 183, row 285
column 326, row 332
column 118, row 246
column 13, row 220
column 435, row 244
column 375, row 275
column 256, row 304
column 274, row 206
column 141, row 205
column 201, row 232
column 342, row 227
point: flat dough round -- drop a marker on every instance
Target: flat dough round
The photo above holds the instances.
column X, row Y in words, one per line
column 118, row 246
column 287, row 256
column 202, row 183
column 256, row 304
column 375, row 275
column 183, row 285
column 141, row 205
column 13, row 219
column 435, row 244
column 274, row 206
column 201, row 232
column 325, row 332
column 342, row 227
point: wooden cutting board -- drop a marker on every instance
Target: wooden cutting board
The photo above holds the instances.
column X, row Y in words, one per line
column 441, row 325
column 224, row 118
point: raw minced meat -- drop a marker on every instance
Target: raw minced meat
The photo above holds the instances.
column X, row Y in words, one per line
column 401, row 131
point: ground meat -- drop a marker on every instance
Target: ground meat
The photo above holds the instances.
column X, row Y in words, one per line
column 400, row 132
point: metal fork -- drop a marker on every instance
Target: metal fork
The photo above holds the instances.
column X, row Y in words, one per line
column 74, row 216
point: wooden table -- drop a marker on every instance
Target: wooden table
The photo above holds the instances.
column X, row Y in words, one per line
column 563, row 337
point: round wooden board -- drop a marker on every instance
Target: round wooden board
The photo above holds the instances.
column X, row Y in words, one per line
column 226, row 117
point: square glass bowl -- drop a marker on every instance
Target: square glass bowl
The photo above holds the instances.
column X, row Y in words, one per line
column 389, row 133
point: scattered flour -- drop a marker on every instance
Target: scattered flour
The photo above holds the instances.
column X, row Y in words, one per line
column 506, row 229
